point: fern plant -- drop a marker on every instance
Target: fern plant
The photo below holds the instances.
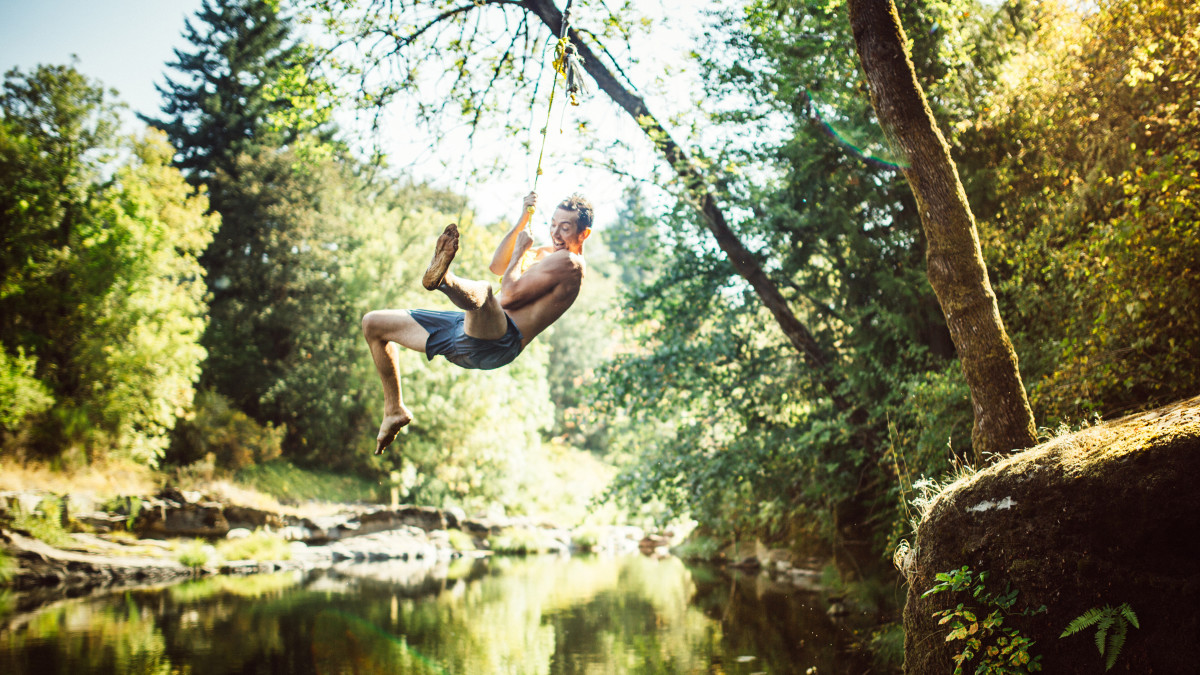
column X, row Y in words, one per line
column 1111, row 626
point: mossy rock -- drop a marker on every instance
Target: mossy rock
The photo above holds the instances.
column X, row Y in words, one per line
column 1104, row 516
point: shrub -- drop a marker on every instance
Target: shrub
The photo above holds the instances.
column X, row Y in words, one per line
column 43, row 522
column 21, row 394
column 887, row 647
column 587, row 537
column 8, row 568
column 698, row 547
column 234, row 439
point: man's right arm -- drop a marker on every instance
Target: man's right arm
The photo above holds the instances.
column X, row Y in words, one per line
column 503, row 254
column 558, row 272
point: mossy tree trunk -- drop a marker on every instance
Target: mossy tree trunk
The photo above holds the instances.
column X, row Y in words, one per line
column 1003, row 419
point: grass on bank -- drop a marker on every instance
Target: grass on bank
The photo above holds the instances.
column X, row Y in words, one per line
column 110, row 477
column 460, row 541
column 196, row 553
column 260, row 545
column 290, row 484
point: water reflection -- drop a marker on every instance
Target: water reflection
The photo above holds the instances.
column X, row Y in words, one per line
column 538, row 616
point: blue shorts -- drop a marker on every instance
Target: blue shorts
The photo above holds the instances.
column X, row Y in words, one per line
column 448, row 338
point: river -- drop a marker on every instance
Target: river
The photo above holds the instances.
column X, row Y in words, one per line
column 537, row 615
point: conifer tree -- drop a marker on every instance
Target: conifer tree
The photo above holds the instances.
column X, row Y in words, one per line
column 217, row 106
column 272, row 268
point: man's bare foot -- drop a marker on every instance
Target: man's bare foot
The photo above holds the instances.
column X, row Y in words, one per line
column 392, row 424
column 444, row 250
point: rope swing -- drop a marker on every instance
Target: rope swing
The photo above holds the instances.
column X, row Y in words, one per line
column 569, row 65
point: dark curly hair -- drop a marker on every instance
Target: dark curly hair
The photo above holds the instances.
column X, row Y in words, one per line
column 582, row 207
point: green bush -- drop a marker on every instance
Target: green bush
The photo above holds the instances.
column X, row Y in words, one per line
column 43, row 522
column 8, row 567
column 234, row 439
column 887, row 647
column 698, row 547
column 587, row 537
column 21, row 394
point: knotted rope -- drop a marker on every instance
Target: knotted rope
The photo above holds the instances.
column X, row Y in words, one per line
column 569, row 65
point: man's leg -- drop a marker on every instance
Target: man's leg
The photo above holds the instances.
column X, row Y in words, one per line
column 485, row 319
column 384, row 329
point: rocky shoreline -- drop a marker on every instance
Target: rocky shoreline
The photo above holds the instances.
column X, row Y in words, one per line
column 137, row 541
column 131, row 543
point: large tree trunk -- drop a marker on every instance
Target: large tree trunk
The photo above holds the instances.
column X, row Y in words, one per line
column 1003, row 419
column 744, row 262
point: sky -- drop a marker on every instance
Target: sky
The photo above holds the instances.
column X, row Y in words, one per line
column 125, row 45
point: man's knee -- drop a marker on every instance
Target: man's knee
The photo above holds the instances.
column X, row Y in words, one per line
column 374, row 323
column 489, row 297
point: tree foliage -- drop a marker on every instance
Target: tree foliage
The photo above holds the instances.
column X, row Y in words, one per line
column 102, row 299
column 1072, row 145
column 734, row 431
column 1092, row 205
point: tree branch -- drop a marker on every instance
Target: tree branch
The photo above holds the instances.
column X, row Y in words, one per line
column 743, row 261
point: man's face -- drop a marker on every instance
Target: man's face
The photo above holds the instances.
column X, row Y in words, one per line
column 564, row 226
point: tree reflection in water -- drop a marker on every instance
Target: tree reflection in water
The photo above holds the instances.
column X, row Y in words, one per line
column 537, row 615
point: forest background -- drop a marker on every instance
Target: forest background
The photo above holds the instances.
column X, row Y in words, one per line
column 188, row 298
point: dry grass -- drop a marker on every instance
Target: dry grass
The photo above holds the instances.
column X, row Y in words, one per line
column 105, row 479
column 120, row 478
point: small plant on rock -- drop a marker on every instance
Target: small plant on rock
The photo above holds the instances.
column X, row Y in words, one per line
column 1111, row 626
column 987, row 643
column 195, row 554
column 44, row 522
column 8, row 568
column 260, row 545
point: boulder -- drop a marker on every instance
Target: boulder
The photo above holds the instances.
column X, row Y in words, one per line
column 253, row 519
column 41, row 565
column 168, row 518
column 482, row 528
column 426, row 518
column 1098, row 518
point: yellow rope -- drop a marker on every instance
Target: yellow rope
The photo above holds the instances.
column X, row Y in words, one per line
column 560, row 68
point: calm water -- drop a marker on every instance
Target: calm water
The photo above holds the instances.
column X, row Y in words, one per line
column 537, row 615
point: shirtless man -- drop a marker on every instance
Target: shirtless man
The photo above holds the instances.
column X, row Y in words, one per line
column 492, row 329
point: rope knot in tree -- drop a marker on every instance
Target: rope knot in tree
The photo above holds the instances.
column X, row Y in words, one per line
column 567, row 61
column 569, row 64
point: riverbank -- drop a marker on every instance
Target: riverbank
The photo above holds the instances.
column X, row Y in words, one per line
column 70, row 542
column 71, row 545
